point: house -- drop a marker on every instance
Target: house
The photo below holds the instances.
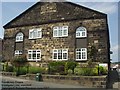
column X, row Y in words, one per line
column 57, row 31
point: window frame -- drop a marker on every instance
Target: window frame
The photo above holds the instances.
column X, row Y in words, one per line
column 33, row 33
column 80, row 53
column 31, row 52
column 18, row 36
column 59, row 31
column 18, row 52
column 80, row 31
column 63, row 52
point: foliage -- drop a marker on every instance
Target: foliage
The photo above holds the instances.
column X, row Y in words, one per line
column 56, row 67
column 92, row 52
column 61, row 67
column 70, row 65
column 9, row 68
column 70, row 72
column 34, row 70
column 19, row 60
column 87, row 71
column 23, row 71
column 102, row 70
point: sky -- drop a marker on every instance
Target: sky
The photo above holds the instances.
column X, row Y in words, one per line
column 11, row 8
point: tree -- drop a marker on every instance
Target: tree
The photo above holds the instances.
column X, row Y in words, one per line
column 19, row 61
column 92, row 53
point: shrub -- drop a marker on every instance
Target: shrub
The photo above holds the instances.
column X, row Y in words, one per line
column 78, row 71
column 19, row 60
column 61, row 67
column 95, row 71
column 70, row 65
column 86, row 71
column 23, row 71
column 56, row 67
column 102, row 70
column 70, row 72
column 9, row 68
column 34, row 70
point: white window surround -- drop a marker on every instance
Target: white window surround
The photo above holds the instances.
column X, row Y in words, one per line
column 60, row 31
column 18, row 52
column 34, row 55
column 19, row 37
column 81, row 54
column 60, row 54
column 95, row 41
column 35, row 33
column 81, row 32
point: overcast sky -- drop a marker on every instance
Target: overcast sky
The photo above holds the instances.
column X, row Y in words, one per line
column 12, row 9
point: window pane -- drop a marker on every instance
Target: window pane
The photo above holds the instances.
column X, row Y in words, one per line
column 35, row 34
column 55, row 56
column 34, row 55
column 29, row 56
column 64, row 32
column 59, row 54
column 39, row 34
column 38, row 56
column 19, row 37
column 31, row 35
column 55, row 32
column 81, row 32
column 64, row 55
column 81, row 54
column 20, row 52
column 59, row 32
column 55, row 51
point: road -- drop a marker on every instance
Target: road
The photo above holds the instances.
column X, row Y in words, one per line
column 10, row 82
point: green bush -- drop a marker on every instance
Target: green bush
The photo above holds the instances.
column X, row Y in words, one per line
column 70, row 65
column 102, row 70
column 56, row 67
column 19, row 60
column 70, row 72
column 86, row 71
column 95, row 71
column 34, row 70
column 23, row 71
column 78, row 71
column 61, row 67
column 9, row 68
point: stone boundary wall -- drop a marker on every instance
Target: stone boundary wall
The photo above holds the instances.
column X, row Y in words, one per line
column 87, row 81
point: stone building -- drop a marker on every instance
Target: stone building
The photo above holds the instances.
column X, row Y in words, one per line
column 57, row 31
column 1, row 47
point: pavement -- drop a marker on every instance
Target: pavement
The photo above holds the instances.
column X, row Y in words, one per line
column 10, row 82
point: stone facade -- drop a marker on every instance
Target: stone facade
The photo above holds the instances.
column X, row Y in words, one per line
column 1, row 47
column 46, row 15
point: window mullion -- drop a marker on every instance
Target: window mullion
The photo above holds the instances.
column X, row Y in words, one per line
column 62, row 54
column 57, row 54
